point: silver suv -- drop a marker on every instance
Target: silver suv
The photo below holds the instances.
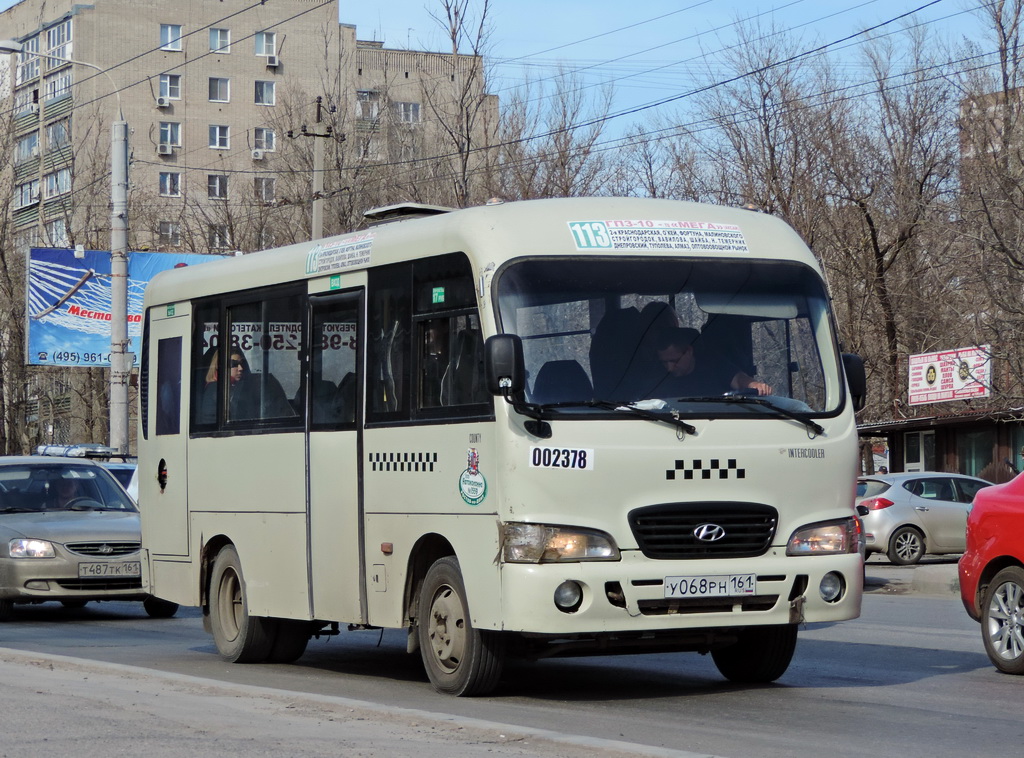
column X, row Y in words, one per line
column 912, row 515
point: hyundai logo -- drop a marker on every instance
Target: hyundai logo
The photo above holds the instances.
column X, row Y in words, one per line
column 709, row 532
column 105, row 550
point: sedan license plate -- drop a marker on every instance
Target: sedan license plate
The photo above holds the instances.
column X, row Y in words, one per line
column 128, row 568
column 724, row 585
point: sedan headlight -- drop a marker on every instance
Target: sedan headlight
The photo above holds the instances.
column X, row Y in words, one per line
column 542, row 543
column 827, row 538
column 31, row 549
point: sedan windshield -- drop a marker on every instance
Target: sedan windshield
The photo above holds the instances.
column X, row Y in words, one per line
column 697, row 336
column 27, row 488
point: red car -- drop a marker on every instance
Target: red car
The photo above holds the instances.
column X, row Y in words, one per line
column 992, row 572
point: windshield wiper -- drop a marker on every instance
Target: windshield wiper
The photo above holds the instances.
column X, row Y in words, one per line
column 611, row 405
column 751, row 400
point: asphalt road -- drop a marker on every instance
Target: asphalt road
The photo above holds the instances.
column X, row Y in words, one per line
column 908, row 678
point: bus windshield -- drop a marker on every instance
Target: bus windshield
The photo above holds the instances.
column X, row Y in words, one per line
column 694, row 335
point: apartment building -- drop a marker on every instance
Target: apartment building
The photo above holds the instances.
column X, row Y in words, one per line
column 219, row 98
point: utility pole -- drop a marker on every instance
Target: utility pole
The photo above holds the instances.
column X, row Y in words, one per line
column 317, row 228
column 120, row 358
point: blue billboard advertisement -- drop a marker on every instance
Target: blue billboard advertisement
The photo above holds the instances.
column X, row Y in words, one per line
column 69, row 298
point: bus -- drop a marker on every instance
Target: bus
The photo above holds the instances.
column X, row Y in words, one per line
column 499, row 429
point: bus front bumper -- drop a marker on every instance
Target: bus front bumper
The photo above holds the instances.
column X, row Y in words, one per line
column 637, row 594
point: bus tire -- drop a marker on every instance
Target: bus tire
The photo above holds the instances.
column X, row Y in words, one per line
column 459, row 659
column 290, row 640
column 761, row 654
column 240, row 638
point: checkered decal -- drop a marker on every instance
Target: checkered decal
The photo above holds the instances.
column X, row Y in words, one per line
column 713, row 470
column 415, row 462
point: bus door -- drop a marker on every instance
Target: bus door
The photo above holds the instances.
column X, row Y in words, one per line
column 334, row 418
column 162, row 475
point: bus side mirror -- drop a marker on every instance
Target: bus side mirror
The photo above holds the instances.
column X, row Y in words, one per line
column 504, row 366
column 856, row 379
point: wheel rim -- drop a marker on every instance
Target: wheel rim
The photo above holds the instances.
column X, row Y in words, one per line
column 1006, row 621
column 907, row 545
column 229, row 603
column 447, row 630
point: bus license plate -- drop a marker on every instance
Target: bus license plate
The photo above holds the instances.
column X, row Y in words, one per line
column 725, row 585
column 128, row 568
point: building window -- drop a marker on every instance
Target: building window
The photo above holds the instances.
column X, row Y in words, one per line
column 265, row 93
column 26, row 194
column 170, row 36
column 263, row 138
column 266, row 43
column 220, row 90
column 170, row 184
column 408, row 113
column 218, row 237
column 170, row 133
column 58, row 135
column 220, row 40
column 367, row 105
column 265, row 189
column 58, row 84
column 57, row 233
column 170, row 86
column 58, row 45
column 169, row 234
column 27, row 147
column 219, row 139
column 58, row 183
column 28, row 61
column 217, row 186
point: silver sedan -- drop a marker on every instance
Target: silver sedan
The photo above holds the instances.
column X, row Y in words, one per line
column 916, row 514
column 68, row 533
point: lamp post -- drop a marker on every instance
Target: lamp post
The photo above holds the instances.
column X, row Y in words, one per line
column 120, row 365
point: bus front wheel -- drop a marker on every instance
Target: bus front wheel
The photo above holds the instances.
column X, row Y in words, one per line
column 459, row 659
column 240, row 638
column 761, row 654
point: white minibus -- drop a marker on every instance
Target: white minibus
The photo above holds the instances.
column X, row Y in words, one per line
column 542, row 428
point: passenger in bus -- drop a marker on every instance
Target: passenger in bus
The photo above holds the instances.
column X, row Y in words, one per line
column 693, row 373
column 243, row 393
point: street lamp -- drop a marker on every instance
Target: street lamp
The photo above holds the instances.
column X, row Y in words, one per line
column 120, row 365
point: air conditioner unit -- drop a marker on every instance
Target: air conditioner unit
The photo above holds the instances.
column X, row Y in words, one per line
column 164, row 149
column 272, row 61
column 163, row 102
column 257, row 155
column 34, row 152
column 33, row 108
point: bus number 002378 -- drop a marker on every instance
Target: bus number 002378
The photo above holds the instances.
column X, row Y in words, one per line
column 562, row 457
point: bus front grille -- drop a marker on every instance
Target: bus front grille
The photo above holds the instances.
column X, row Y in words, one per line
column 675, row 531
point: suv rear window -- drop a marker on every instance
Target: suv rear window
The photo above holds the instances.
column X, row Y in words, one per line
column 871, row 487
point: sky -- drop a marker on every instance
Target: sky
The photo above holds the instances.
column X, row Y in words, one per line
column 647, row 51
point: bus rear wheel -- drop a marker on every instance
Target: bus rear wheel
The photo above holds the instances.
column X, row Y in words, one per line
column 240, row 638
column 761, row 654
column 459, row 659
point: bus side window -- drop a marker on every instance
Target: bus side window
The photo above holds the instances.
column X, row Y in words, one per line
column 205, row 341
column 333, row 364
column 168, row 386
column 387, row 388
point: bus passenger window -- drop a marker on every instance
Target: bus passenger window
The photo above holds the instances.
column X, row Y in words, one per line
column 332, row 377
column 434, row 362
column 168, row 386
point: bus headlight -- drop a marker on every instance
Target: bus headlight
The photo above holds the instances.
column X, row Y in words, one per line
column 31, row 549
column 826, row 538
column 542, row 543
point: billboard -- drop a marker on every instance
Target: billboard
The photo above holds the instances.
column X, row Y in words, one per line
column 68, row 303
column 959, row 374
